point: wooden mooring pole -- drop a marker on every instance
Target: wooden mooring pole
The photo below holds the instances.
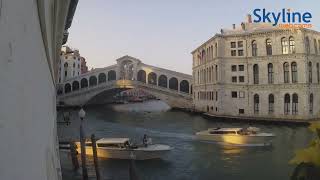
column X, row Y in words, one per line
column 95, row 156
column 83, row 153
column 73, row 152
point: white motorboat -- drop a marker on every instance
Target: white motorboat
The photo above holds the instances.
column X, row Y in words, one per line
column 122, row 148
column 236, row 136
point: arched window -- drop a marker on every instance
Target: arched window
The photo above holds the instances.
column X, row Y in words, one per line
column 255, row 74
column 254, row 48
column 284, row 45
column 269, row 47
column 310, row 71
column 205, row 76
column 92, row 81
column 315, row 46
column 198, row 77
column 163, row 82
column 270, row 73
column 256, row 103
column 184, row 86
column 318, row 72
column 307, row 42
column 102, row 78
column 112, row 75
column 271, row 103
column 173, row 83
column 203, row 57
column 286, row 72
column 286, row 104
column 67, row 88
column 216, row 49
column 75, row 85
column 294, row 103
column 84, row 83
column 152, row 78
column 294, row 72
column 311, row 103
column 65, row 65
column 292, row 48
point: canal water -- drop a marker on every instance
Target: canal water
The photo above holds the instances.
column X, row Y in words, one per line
column 190, row 159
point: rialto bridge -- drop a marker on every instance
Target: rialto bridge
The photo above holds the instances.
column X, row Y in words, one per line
column 99, row 85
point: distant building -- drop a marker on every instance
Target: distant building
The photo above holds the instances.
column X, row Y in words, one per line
column 84, row 67
column 70, row 64
column 259, row 70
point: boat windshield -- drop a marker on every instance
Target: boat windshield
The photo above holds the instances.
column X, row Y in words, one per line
column 246, row 132
column 222, row 132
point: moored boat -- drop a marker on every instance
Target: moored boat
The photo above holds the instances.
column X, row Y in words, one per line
column 122, row 148
column 236, row 136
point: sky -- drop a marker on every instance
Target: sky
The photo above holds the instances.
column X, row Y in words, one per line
column 162, row 33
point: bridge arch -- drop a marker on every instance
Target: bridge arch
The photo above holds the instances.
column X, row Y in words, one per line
column 84, row 83
column 75, row 85
column 163, row 81
column 152, row 78
column 141, row 76
column 102, row 78
column 92, row 81
column 112, row 76
column 67, row 88
column 184, row 86
column 173, row 83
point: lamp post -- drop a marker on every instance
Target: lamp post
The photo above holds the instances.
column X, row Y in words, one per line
column 82, row 114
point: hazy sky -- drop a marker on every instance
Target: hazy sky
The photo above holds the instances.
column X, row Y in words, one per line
column 164, row 32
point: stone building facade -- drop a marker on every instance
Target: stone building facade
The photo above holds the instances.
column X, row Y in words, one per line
column 70, row 64
column 258, row 70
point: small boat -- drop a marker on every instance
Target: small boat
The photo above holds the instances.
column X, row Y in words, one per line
column 123, row 148
column 236, row 136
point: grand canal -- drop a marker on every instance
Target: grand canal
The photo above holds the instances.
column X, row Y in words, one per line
column 190, row 158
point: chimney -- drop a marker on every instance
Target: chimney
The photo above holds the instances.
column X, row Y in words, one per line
column 233, row 26
column 249, row 18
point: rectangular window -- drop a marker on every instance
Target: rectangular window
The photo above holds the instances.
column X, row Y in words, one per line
column 233, row 68
column 65, row 73
column 234, row 79
column 233, row 44
column 234, row 94
column 241, row 94
column 240, row 52
column 241, row 67
column 241, row 78
column 233, row 52
column 240, row 44
column 241, row 111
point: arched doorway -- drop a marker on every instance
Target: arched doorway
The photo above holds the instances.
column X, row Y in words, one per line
column 92, row 81
column 111, row 75
column 67, row 88
column 152, row 78
column 163, row 81
column 75, row 86
column 102, row 78
column 84, row 83
column 141, row 76
column 184, row 86
column 173, row 83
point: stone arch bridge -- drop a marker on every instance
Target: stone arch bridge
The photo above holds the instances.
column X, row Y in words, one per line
column 172, row 87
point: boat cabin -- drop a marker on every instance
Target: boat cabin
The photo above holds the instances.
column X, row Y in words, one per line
column 112, row 143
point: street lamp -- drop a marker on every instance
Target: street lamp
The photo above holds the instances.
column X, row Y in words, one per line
column 82, row 114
